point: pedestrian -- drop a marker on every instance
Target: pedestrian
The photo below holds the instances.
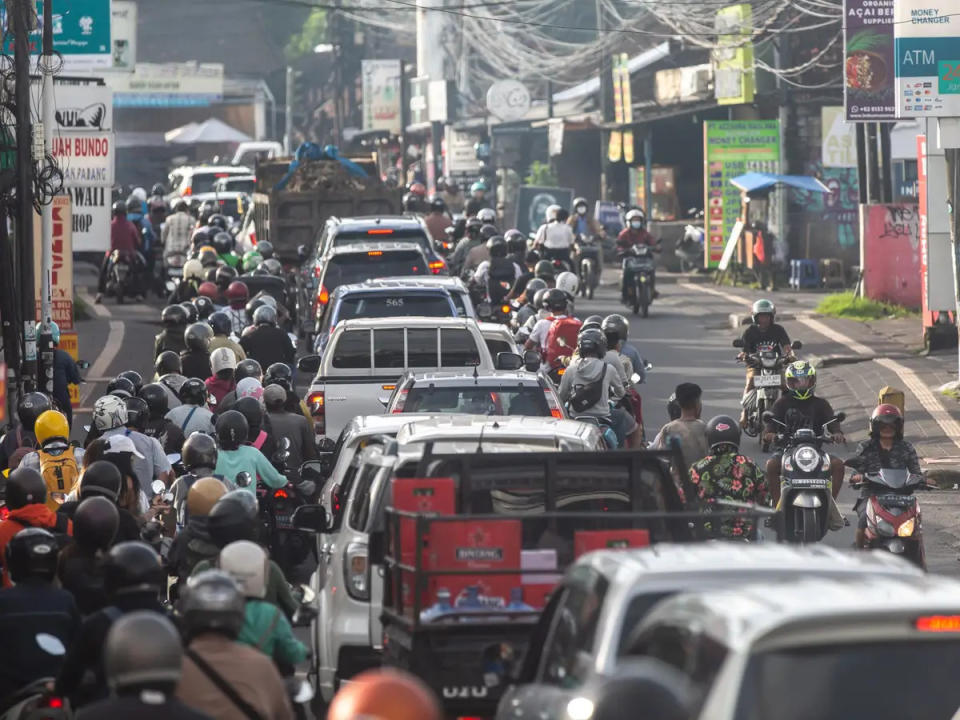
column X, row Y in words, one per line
column 689, row 430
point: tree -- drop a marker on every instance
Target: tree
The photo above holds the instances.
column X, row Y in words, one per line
column 313, row 33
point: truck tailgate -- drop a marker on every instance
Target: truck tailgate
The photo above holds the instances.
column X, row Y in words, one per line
column 347, row 397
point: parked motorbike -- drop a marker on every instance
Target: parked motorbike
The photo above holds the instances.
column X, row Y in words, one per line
column 805, row 481
column 636, row 283
column 690, row 249
column 893, row 514
column 590, row 265
column 767, row 385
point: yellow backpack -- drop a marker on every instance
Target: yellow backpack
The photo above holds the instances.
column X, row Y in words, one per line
column 60, row 472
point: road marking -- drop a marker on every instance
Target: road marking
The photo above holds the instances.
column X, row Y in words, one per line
column 837, row 337
column 729, row 297
column 106, row 356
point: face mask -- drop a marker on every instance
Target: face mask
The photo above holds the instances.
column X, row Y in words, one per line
column 636, row 224
column 581, row 210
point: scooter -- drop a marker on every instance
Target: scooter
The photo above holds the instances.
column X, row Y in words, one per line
column 690, row 249
column 893, row 514
column 590, row 265
column 767, row 385
column 637, row 280
column 805, row 481
column 120, row 280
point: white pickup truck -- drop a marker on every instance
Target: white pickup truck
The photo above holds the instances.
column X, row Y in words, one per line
column 365, row 358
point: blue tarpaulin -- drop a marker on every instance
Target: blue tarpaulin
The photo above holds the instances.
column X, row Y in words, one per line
column 754, row 181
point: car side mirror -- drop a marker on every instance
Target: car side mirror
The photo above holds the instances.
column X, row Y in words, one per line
column 509, row 361
column 308, row 363
column 796, row 345
column 312, row 518
column 317, row 470
column 531, row 361
column 738, row 342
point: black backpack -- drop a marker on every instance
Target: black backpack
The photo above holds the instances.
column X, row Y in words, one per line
column 586, row 395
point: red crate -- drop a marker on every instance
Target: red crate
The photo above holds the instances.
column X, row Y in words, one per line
column 586, row 540
column 420, row 495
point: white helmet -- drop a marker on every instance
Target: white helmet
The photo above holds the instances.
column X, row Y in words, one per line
column 249, row 565
column 139, row 193
column 568, row 282
column 552, row 212
column 109, row 412
column 636, row 214
column 487, row 216
column 223, row 358
column 268, row 299
column 193, row 270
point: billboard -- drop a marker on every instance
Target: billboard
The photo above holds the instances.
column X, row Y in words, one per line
column 381, row 95
column 81, row 33
column 838, row 139
column 928, row 58
column 869, row 87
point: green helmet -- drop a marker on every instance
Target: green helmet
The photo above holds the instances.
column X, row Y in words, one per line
column 251, row 259
column 801, row 379
column 764, row 307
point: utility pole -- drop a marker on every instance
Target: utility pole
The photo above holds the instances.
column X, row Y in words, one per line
column 288, row 119
column 952, row 157
column 46, row 348
column 606, row 90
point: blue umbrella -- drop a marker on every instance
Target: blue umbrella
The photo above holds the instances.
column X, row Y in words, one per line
column 754, row 181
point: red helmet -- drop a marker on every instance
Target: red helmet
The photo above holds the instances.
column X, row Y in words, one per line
column 209, row 289
column 387, row 694
column 886, row 414
column 418, row 189
column 237, row 294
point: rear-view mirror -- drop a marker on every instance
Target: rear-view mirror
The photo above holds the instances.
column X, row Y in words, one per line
column 484, row 310
column 83, row 364
column 317, row 470
column 509, row 361
column 737, row 342
column 244, row 479
column 796, row 345
column 158, row 486
column 312, row 518
column 531, row 361
column 308, row 363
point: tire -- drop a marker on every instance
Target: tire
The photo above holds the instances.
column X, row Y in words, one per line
column 590, row 292
column 645, row 300
column 636, row 301
column 757, row 419
column 809, row 530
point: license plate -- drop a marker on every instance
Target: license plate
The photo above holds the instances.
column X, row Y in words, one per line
column 897, row 500
column 283, row 521
column 808, row 482
column 765, row 381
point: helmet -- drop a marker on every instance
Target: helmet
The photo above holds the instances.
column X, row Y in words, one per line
column 801, row 379
column 266, row 249
column 764, row 307
column 109, row 412
column 411, row 203
column 134, row 205
column 25, row 486
column 157, row 189
column 31, row 406
column 251, row 259
column 487, row 216
column 55, row 332
column 209, row 289
column 225, row 276
column 252, row 411
column 218, row 220
column 233, row 517
column 222, row 359
column 265, row 315
column 274, row 267
column 173, row 316
column 418, row 188
column 210, row 275
column 208, row 256
column 132, row 567
column 555, row 299
column 252, row 306
column 204, row 305
column 181, row 206
column 723, row 430
column 167, row 362
column 199, row 451
column 249, row 565
column 487, row 231
column 552, row 211
column 193, row 270
column 533, row 285
column 279, row 374
column 568, row 282
column 101, row 478
column 248, row 368
column 220, row 323
column 200, row 238
column 193, row 392
column 662, row 691
column 51, row 424
column 478, row 186
column 157, row 400
column 591, row 343
column 636, row 214
column 121, row 387
column 137, row 412
column 886, row 414
column 32, row 552
column 237, row 294
column 223, row 242
column 198, row 336
column 143, row 651
column 437, row 204
column 578, row 201
column 385, row 693
column 538, row 298
column 497, row 247
column 119, row 209
column 191, row 310
column 206, row 212
column 134, row 377
column 473, row 226
column 139, row 193
column 616, row 328
column 249, row 387
column 95, row 523
column 232, row 429
column 516, row 242
column 544, row 271
column 203, row 495
column 212, row 602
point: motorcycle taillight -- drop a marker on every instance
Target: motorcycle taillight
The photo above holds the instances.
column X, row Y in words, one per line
column 280, row 494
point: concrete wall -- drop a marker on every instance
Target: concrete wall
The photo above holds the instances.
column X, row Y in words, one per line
column 890, row 253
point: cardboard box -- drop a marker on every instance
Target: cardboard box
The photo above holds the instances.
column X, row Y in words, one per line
column 585, row 541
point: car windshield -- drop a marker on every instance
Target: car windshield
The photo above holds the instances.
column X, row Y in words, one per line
column 839, row 682
column 203, row 182
column 357, row 267
column 353, row 237
column 230, row 185
column 367, row 305
column 478, row 400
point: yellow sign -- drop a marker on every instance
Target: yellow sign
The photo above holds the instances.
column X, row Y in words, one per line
column 615, row 148
column 734, row 73
column 70, row 343
column 627, row 108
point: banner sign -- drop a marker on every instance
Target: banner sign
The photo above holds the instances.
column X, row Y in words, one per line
column 869, row 87
column 61, row 276
column 732, row 148
column 82, row 108
column 928, row 58
column 167, row 85
column 734, row 72
column 85, row 158
column 381, row 95
column 838, row 139
column 91, row 218
column 81, row 33
column 69, row 343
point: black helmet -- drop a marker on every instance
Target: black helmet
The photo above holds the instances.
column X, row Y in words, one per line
column 134, row 205
column 198, row 336
column 208, row 258
column 25, row 486
column 167, row 362
column 279, row 374
column 539, row 296
column 143, row 651
column 101, row 478
column 473, row 227
column 158, row 189
column 516, row 242
column 592, row 322
column 138, row 412
column 225, row 275
column 723, row 430
column 232, row 429
column 191, row 310
column 119, row 209
column 261, row 270
column 233, row 517
column 132, row 567
column 645, row 688
column 173, row 316
column 218, row 220
column 32, row 552
column 616, row 328
column 265, row 315
column 533, row 285
column 205, row 307
column 252, row 306
column 212, row 602
column 156, row 398
column 193, row 392
column 210, row 275
column 252, row 411
column 206, row 212
column 247, row 368
column 437, row 204
column 544, row 271
column 591, row 343
column 220, row 323
column 121, row 387
column 199, row 451
column 134, row 377
column 555, row 300
column 497, row 247
column 30, row 407
column 488, row 231
column 95, row 523
column 273, row 266
column 266, row 249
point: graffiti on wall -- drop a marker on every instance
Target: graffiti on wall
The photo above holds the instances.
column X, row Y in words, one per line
column 839, row 209
column 891, row 254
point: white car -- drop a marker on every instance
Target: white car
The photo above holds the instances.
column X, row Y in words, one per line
column 190, row 180
column 499, row 338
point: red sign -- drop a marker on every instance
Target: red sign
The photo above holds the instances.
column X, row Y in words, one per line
column 61, row 272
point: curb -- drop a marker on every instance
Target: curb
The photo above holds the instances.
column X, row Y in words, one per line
column 826, row 361
column 944, row 479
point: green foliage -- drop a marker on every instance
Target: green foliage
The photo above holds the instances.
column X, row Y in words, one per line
column 541, row 174
column 864, row 41
column 313, row 33
column 849, row 306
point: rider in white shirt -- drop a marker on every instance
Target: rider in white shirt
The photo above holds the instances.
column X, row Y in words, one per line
column 555, row 236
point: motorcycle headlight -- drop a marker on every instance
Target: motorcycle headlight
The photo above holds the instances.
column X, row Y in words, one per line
column 906, row 530
column 806, row 458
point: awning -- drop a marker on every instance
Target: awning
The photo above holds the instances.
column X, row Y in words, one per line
column 212, row 130
column 637, row 62
column 754, row 181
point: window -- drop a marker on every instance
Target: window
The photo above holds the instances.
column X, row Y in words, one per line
column 569, row 650
column 353, row 237
column 380, row 305
column 357, row 267
column 478, row 400
column 422, row 347
column 460, row 304
column 353, row 350
column 388, row 348
column 497, row 346
column 458, row 348
column 360, row 502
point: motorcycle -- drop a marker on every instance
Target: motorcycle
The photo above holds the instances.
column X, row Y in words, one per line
column 35, row 701
column 121, row 280
column 893, row 514
column 805, row 481
column 690, row 249
column 637, row 280
column 590, row 266
column 767, row 385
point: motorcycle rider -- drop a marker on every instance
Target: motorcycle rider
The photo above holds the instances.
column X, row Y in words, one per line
column 266, row 342
column 478, row 199
column 259, row 432
column 291, row 425
column 174, row 319
column 449, row 190
column 498, row 274
column 689, row 429
column 169, row 435
column 555, row 236
column 527, row 309
column 885, row 448
column 26, row 498
column 385, row 694
column 235, row 456
column 125, row 239
column 102, row 478
column 188, row 286
column 195, row 360
column 636, row 234
column 248, row 368
column 764, row 331
column 176, row 233
column 584, row 227
column 199, row 458
column 19, row 438
column 193, row 542
column 479, row 253
column 236, row 317
column 225, row 244
column 224, row 277
column 205, row 307
column 223, row 362
column 437, row 220
column 220, row 675
column 192, row 414
column 556, row 303
column 468, row 242
column 55, row 459
column 80, row 568
column 168, row 375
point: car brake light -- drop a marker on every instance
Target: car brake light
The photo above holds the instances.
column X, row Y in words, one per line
column 221, row 175
column 187, row 191
column 401, row 401
column 323, row 297
column 374, row 253
column 437, row 266
column 253, row 238
column 53, row 702
column 380, row 231
column 938, row 623
column 335, row 499
column 317, row 406
column 555, row 409
column 281, row 493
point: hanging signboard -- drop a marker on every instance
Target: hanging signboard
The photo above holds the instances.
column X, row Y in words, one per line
column 927, row 36
column 838, row 139
column 124, row 34
column 381, row 95
column 81, row 33
column 869, row 85
column 91, row 218
column 82, row 108
column 532, row 204
column 186, row 84
column 508, row 100
column 734, row 73
column 61, row 276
